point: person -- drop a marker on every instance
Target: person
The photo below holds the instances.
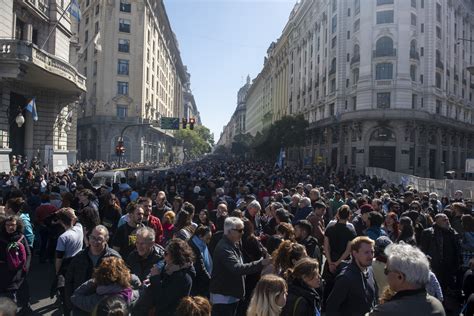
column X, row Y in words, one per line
column 378, row 265
column 160, row 206
column 42, row 212
column 151, row 220
column 304, row 209
column 168, row 227
column 13, row 271
column 170, row 283
column 111, row 277
column 303, row 229
column 83, row 264
column 205, row 220
column 269, row 296
column 146, row 254
column 355, row 291
column 110, row 212
column 125, row 237
column 374, row 231
column 467, row 240
column 194, row 306
column 111, row 305
column 253, row 215
column 440, row 242
column 391, row 226
column 361, row 221
column 303, row 282
column 227, row 285
column 407, row 232
column 316, row 218
column 407, row 275
column 203, row 260
column 285, row 257
column 7, row 307
column 16, row 206
column 184, row 228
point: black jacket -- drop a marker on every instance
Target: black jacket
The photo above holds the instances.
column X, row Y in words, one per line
column 80, row 270
column 165, row 292
column 354, row 292
column 141, row 266
column 202, row 279
column 301, row 300
column 442, row 245
column 229, row 270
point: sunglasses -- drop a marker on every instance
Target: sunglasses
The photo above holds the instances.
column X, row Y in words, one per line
column 240, row 231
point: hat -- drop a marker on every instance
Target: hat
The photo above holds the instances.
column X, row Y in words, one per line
column 381, row 243
column 366, row 208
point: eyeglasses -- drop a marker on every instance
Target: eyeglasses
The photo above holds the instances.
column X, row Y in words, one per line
column 240, row 231
column 96, row 239
column 386, row 271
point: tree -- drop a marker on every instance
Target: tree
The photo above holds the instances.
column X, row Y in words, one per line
column 241, row 144
column 195, row 142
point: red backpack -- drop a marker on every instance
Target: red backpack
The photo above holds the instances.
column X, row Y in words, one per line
column 16, row 255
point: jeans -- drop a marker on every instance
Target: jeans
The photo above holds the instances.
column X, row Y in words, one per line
column 225, row 309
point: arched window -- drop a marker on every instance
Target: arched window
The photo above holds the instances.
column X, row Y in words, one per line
column 413, row 52
column 356, row 50
column 384, row 47
column 332, row 70
column 382, row 134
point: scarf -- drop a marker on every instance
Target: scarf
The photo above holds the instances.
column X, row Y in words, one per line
column 204, row 253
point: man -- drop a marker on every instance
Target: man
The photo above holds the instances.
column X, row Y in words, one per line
column 407, row 272
column 150, row 220
column 147, row 253
column 304, row 208
column 355, row 292
column 295, row 200
column 361, row 222
column 440, row 242
column 377, row 205
column 303, row 229
column 43, row 211
column 335, row 203
column 125, row 237
column 160, row 206
column 227, row 285
column 316, row 218
column 82, row 265
column 253, row 215
column 458, row 196
column 87, row 198
column 457, row 211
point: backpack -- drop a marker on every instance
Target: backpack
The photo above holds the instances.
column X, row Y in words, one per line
column 16, row 255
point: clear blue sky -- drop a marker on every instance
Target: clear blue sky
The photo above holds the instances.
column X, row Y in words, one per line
column 221, row 41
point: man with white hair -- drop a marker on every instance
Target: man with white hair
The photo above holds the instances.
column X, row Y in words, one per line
column 253, row 215
column 304, row 209
column 227, row 285
column 408, row 272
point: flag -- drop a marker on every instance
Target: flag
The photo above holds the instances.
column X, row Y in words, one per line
column 97, row 45
column 74, row 9
column 31, row 107
column 281, row 158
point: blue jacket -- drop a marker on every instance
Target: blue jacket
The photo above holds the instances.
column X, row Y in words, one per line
column 28, row 230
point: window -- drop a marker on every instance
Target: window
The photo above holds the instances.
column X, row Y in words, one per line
column 356, row 7
column 125, row 6
column 124, row 25
column 413, row 19
column 354, row 102
column 333, row 85
column 97, row 8
column 382, row 2
column 438, row 12
column 384, row 17
column 122, row 67
column 355, row 76
column 86, row 37
column 413, row 101
column 88, row 2
column 96, row 30
column 87, row 20
column 348, row 34
column 384, row 71
column 383, row 100
column 122, row 111
column 356, row 25
column 122, row 88
column 334, row 22
column 413, row 72
column 438, row 80
column 334, row 42
column 334, row 5
column 421, row 78
column 94, row 68
column 422, row 4
column 124, row 45
column 438, row 32
column 422, row 51
column 413, row 4
column 384, row 47
column 422, row 27
column 349, row 12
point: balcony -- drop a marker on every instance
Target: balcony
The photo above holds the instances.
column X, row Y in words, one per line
column 332, row 71
column 439, row 64
column 355, row 59
column 384, row 53
column 414, row 55
column 24, row 61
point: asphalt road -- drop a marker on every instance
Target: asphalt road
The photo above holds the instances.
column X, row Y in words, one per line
column 40, row 278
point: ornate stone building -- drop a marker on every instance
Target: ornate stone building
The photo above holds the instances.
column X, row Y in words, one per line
column 35, row 66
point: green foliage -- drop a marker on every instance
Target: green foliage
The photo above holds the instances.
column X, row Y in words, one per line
column 241, row 144
column 287, row 132
column 196, row 142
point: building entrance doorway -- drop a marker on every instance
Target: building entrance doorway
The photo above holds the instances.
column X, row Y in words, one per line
column 382, row 157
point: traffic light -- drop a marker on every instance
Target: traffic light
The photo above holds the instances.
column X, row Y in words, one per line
column 184, row 122
column 192, row 120
column 120, row 149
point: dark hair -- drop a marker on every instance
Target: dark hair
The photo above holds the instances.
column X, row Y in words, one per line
column 306, row 267
column 286, row 230
column 183, row 219
column 375, row 219
column 305, row 225
column 282, row 215
column 208, row 221
column 406, row 228
column 16, row 204
column 7, row 307
column 112, row 305
column 344, row 212
column 194, row 306
column 467, row 223
column 188, row 207
column 180, row 252
column 202, row 230
column 10, row 218
column 88, row 193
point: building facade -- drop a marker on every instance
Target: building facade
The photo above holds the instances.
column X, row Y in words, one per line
column 131, row 58
column 35, row 64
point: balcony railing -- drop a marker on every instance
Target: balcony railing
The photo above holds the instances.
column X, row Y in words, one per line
column 332, row 71
column 414, row 55
column 439, row 64
column 11, row 49
column 384, row 53
column 355, row 59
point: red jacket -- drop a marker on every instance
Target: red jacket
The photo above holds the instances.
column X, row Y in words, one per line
column 155, row 223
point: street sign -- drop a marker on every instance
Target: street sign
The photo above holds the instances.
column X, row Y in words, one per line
column 169, row 123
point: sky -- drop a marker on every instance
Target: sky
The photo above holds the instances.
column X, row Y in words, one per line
column 221, row 42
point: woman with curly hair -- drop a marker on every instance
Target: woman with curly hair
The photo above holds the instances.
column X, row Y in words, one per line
column 285, row 231
column 170, row 283
column 194, row 306
column 111, row 277
column 269, row 296
column 285, row 257
column 391, row 226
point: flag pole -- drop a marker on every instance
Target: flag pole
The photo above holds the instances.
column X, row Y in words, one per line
column 56, row 24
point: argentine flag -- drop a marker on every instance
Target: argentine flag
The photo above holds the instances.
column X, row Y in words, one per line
column 75, row 10
column 31, row 107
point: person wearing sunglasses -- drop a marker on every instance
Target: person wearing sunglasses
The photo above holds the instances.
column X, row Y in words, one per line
column 408, row 272
column 227, row 287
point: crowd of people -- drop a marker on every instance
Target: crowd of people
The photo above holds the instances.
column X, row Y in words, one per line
column 228, row 238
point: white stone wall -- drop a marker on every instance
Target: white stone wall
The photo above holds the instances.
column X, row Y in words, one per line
column 6, row 19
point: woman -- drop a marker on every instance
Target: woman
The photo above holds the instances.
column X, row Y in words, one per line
column 194, row 306
column 407, row 232
column 112, row 305
column 380, row 260
column 177, row 204
column 467, row 240
column 303, row 281
column 183, row 227
column 285, row 231
column 203, row 262
column 285, row 257
column 168, row 227
column 13, row 267
column 169, row 284
column 391, row 226
column 269, row 296
column 111, row 277
column 111, row 213
column 204, row 220
column 375, row 226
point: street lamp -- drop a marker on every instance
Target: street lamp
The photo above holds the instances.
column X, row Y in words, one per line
column 20, row 120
